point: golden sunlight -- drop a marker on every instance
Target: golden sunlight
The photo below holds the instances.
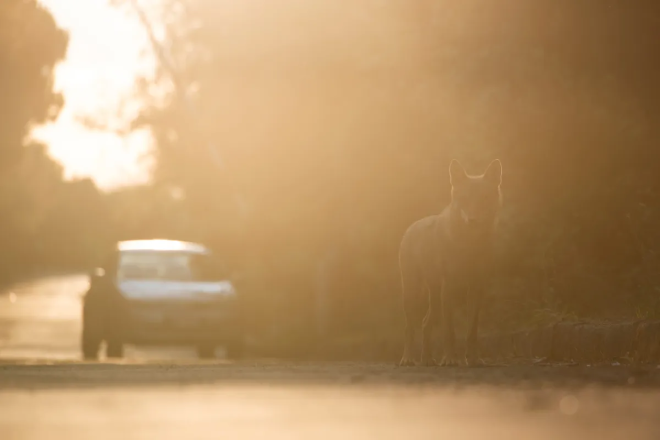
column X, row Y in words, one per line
column 108, row 50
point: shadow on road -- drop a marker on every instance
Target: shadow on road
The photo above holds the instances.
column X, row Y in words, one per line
column 16, row 374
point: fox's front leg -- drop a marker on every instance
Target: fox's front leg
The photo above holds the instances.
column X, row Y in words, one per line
column 450, row 288
column 472, row 358
column 430, row 320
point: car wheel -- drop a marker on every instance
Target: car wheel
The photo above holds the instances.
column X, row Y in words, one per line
column 115, row 349
column 92, row 333
column 206, row 351
column 91, row 344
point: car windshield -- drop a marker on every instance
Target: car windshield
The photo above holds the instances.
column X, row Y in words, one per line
column 166, row 266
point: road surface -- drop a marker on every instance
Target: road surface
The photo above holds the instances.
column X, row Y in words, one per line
column 47, row 393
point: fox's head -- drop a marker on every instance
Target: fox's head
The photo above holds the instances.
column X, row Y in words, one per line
column 476, row 200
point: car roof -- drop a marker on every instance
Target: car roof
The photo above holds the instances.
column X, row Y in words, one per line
column 159, row 245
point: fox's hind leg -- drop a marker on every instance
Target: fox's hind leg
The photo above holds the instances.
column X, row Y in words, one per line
column 412, row 305
column 450, row 289
column 430, row 320
column 476, row 295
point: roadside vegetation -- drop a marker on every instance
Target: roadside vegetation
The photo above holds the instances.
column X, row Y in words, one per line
column 335, row 123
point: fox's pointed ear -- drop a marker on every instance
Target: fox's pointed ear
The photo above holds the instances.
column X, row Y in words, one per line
column 493, row 173
column 457, row 174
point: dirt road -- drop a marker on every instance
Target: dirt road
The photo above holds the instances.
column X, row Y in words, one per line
column 46, row 393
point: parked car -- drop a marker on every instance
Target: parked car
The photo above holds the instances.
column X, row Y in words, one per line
column 161, row 292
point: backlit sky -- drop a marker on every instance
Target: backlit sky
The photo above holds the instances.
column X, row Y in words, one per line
column 107, row 50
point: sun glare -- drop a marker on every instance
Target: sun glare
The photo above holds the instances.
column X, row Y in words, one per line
column 108, row 50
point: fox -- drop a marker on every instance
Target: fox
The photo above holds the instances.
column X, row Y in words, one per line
column 446, row 255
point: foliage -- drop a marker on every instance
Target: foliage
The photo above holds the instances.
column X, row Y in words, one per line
column 44, row 222
column 337, row 122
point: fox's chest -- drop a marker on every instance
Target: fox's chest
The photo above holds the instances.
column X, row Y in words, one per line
column 468, row 258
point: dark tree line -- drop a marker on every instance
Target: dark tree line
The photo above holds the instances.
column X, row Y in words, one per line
column 336, row 122
column 46, row 223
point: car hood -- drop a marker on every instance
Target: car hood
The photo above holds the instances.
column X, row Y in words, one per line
column 155, row 289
